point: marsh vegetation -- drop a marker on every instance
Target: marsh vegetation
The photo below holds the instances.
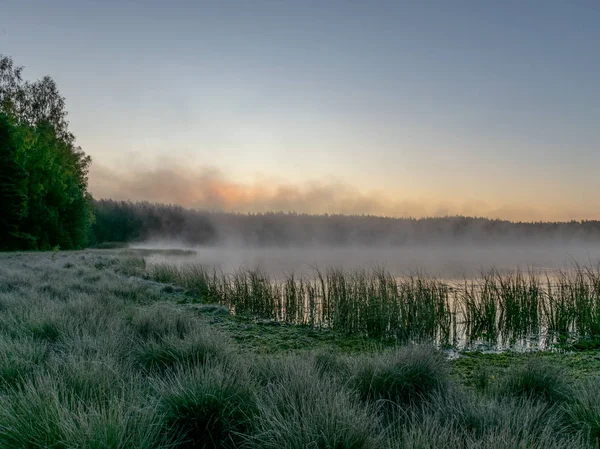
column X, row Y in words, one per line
column 95, row 356
column 496, row 308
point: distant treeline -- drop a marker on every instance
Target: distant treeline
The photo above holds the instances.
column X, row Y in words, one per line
column 43, row 175
column 122, row 221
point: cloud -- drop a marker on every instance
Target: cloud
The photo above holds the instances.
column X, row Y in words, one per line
column 210, row 188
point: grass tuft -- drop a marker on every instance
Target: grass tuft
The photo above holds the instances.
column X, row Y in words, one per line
column 408, row 375
column 300, row 409
column 584, row 411
column 537, row 379
column 206, row 406
column 170, row 351
column 19, row 358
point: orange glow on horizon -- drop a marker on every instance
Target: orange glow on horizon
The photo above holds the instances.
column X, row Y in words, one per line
column 210, row 189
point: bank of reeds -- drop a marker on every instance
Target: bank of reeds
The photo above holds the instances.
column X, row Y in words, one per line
column 495, row 308
column 371, row 303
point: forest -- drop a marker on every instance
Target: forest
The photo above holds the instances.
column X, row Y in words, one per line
column 125, row 221
column 44, row 202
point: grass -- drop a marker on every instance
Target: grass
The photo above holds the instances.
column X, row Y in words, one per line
column 372, row 304
column 299, row 408
column 405, row 376
column 170, row 352
column 19, row 358
column 92, row 355
column 538, row 379
column 584, row 412
column 210, row 405
column 465, row 420
column 495, row 309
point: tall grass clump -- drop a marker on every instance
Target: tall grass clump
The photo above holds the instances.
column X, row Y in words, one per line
column 377, row 305
column 44, row 413
column 31, row 416
column 332, row 364
column 171, row 351
column 206, row 285
column 162, row 320
column 117, row 423
column 167, row 336
column 405, row 376
column 19, row 358
column 92, row 379
column 538, row 379
column 502, row 305
column 427, row 432
column 467, row 420
column 208, row 406
column 252, row 292
column 298, row 408
column 480, row 310
column 573, row 304
column 132, row 266
column 373, row 304
column 584, row 410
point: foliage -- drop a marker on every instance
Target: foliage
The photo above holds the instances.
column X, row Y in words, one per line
column 43, row 175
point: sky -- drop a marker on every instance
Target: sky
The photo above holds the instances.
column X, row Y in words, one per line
column 398, row 108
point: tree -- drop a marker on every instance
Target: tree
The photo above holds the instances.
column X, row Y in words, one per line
column 44, row 174
column 13, row 192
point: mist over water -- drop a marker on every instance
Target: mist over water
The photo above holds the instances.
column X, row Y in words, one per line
column 282, row 243
column 450, row 261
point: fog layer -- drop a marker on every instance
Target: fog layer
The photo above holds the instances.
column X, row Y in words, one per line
column 448, row 261
column 277, row 242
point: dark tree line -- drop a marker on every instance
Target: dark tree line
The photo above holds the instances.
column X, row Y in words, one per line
column 122, row 221
column 43, row 175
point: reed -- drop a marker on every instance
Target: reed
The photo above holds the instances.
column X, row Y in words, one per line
column 495, row 308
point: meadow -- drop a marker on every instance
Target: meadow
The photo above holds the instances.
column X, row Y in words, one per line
column 101, row 349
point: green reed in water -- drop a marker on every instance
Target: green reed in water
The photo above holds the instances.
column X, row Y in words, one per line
column 494, row 308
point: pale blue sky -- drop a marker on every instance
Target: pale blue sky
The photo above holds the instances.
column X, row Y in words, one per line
column 445, row 103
